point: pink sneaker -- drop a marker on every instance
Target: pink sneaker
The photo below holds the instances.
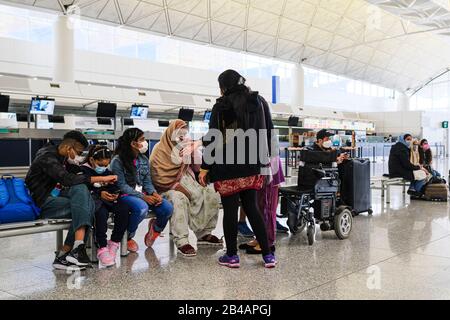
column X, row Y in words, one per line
column 113, row 248
column 104, row 257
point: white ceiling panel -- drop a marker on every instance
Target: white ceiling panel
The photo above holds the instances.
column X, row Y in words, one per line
column 398, row 43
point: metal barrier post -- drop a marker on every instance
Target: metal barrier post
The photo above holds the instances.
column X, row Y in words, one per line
column 59, row 240
column 286, row 162
column 373, row 154
column 123, row 245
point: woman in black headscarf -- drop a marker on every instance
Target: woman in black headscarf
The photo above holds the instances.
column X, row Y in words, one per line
column 238, row 110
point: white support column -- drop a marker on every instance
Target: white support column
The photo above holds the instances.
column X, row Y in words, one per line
column 298, row 87
column 63, row 50
column 402, row 102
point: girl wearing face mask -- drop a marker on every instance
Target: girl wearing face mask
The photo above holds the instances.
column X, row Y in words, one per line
column 106, row 199
column 426, row 157
column 132, row 168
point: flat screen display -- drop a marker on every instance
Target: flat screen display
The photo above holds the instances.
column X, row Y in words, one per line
column 4, row 103
column 104, row 121
column 106, row 110
column 23, row 117
column 293, row 121
column 42, row 106
column 186, row 114
column 163, row 123
column 128, row 122
column 207, row 116
column 139, row 112
column 56, row 119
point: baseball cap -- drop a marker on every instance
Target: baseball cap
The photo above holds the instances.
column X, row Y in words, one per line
column 323, row 134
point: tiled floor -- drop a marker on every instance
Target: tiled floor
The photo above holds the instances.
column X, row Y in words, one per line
column 401, row 252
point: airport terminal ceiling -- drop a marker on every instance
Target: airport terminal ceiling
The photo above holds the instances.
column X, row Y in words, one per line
column 399, row 44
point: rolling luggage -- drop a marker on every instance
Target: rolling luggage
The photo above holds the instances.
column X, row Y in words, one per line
column 355, row 185
column 436, row 192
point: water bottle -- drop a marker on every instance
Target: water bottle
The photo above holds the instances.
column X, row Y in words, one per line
column 56, row 191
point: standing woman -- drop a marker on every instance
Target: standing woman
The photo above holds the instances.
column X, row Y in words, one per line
column 134, row 180
column 238, row 109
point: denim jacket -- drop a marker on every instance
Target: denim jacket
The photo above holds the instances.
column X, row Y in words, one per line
column 125, row 180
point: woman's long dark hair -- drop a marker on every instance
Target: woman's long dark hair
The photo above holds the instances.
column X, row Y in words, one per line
column 124, row 150
column 236, row 94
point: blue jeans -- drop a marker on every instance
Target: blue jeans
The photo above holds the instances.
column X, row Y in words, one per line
column 417, row 185
column 435, row 173
column 139, row 211
column 75, row 203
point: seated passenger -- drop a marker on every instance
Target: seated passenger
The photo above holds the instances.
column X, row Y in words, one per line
column 106, row 199
column 134, row 180
column 173, row 173
column 426, row 157
column 400, row 165
column 61, row 194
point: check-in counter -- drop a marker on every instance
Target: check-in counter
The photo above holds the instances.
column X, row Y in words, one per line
column 19, row 146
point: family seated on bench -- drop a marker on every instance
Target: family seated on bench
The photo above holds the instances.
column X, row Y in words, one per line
column 412, row 161
column 66, row 184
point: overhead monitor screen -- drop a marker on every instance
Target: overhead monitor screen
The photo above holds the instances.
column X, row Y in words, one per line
column 207, row 116
column 42, row 106
column 293, row 121
column 4, row 103
column 186, row 114
column 106, row 110
column 139, row 112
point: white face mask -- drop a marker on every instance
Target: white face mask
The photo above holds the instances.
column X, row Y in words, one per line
column 76, row 161
column 327, row 144
column 144, row 147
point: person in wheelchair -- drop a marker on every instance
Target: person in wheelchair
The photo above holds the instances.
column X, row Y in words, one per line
column 324, row 143
column 316, row 198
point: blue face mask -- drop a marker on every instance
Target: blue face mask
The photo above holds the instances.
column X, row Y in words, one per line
column 100, row 170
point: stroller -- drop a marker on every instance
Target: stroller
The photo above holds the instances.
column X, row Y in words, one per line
column 316, row 198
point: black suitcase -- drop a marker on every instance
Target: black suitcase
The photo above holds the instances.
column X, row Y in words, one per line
column 355, row 185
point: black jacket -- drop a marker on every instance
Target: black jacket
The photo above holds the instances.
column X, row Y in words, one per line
column 399, row 164
column 223, row 117
column 48, row 169
column 96, row 189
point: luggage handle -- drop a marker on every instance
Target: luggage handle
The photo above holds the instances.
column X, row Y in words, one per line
column 8, row 176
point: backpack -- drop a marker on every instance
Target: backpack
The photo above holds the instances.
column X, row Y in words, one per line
column 16, row 204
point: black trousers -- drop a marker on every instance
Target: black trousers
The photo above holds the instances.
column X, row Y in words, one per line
column 121, row 213
column 230, row 220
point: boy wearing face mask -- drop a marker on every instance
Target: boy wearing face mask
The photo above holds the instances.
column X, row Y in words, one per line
column 63, row 195
column 324, row 143
column 106, row 199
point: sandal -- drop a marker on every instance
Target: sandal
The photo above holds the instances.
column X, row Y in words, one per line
column 254, row 250
column 187, row 250
column 210, row 239
column 248, row 245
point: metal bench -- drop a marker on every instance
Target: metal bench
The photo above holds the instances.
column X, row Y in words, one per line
column 18, row 172
column 55, row 225
column 385, row 183
column 37, row 226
